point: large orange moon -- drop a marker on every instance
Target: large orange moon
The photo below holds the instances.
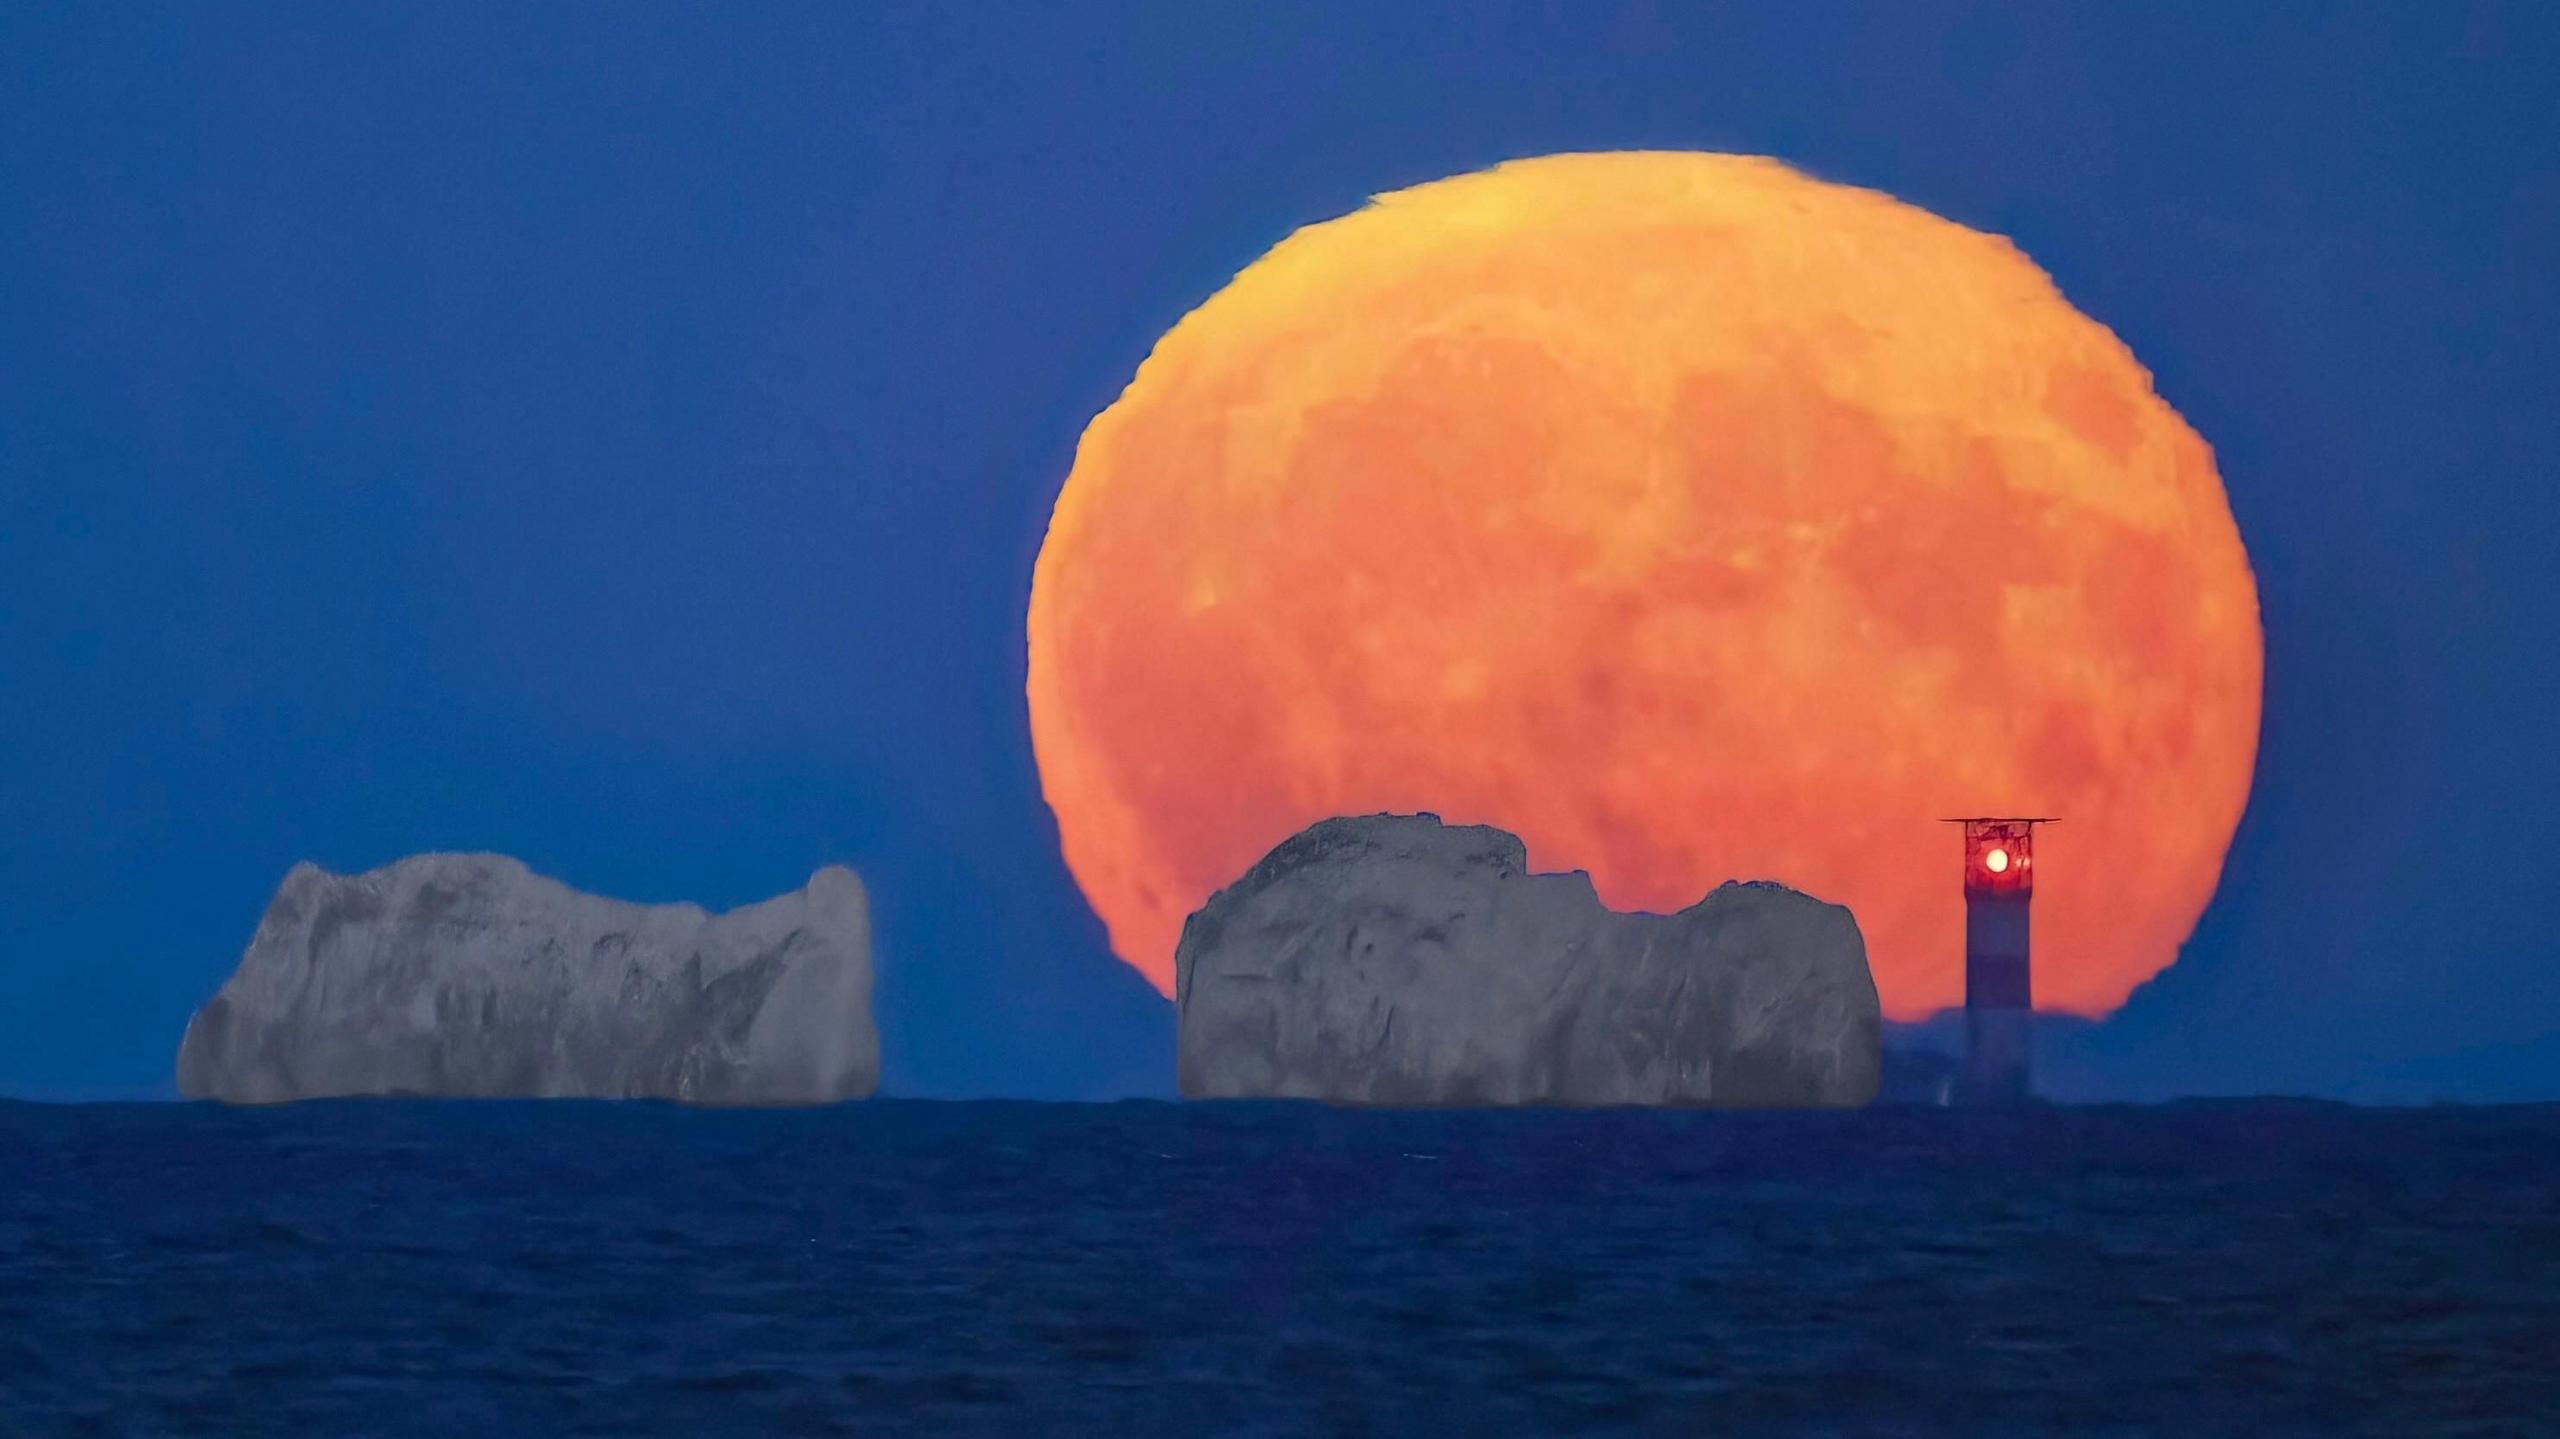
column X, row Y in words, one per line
column 1689, row 517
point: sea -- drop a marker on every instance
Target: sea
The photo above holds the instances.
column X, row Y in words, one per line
column 1014, row 1269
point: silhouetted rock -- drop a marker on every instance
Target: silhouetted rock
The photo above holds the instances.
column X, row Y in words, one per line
column 470, row 975
column 1392, row 959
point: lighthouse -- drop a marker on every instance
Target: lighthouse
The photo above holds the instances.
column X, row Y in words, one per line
column 1999, row 999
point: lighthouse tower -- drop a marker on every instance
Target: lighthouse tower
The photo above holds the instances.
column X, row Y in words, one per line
column 1999, row 1003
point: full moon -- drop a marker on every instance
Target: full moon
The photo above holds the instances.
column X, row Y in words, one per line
column 1690, row 518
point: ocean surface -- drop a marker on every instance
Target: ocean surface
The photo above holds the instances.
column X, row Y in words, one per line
column 1136, row 1269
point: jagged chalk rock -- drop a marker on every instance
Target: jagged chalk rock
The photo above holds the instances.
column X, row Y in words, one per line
column 1394, row 960
column 470, row 975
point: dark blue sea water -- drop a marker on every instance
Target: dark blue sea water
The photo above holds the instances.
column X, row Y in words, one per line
column 1014, row 1269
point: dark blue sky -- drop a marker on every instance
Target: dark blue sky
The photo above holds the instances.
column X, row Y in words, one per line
column 620, row 436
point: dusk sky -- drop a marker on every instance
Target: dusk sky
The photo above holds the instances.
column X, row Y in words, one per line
column 621, row 437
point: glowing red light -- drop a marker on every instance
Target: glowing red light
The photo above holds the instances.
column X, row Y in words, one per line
column 2000, row 858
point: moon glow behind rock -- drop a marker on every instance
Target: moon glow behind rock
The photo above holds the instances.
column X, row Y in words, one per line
column 1690, row 518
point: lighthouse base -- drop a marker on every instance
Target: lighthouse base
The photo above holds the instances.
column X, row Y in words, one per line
column 1999, row 1056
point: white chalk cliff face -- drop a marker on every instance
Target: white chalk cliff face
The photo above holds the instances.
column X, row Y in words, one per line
column 1394, row 960
column 470, row 975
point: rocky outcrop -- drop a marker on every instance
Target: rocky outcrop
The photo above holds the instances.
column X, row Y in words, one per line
column 470, row 975
column 1395, row 960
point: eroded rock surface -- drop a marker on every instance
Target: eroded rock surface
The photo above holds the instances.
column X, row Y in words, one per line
column 470, row 975
column 1392, row 959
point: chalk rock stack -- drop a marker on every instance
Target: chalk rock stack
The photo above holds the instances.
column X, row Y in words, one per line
column 1395, row 960
column 470, row 975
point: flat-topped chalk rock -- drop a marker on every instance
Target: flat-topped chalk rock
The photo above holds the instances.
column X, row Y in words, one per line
column 468, row 975
column 1395, row 960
